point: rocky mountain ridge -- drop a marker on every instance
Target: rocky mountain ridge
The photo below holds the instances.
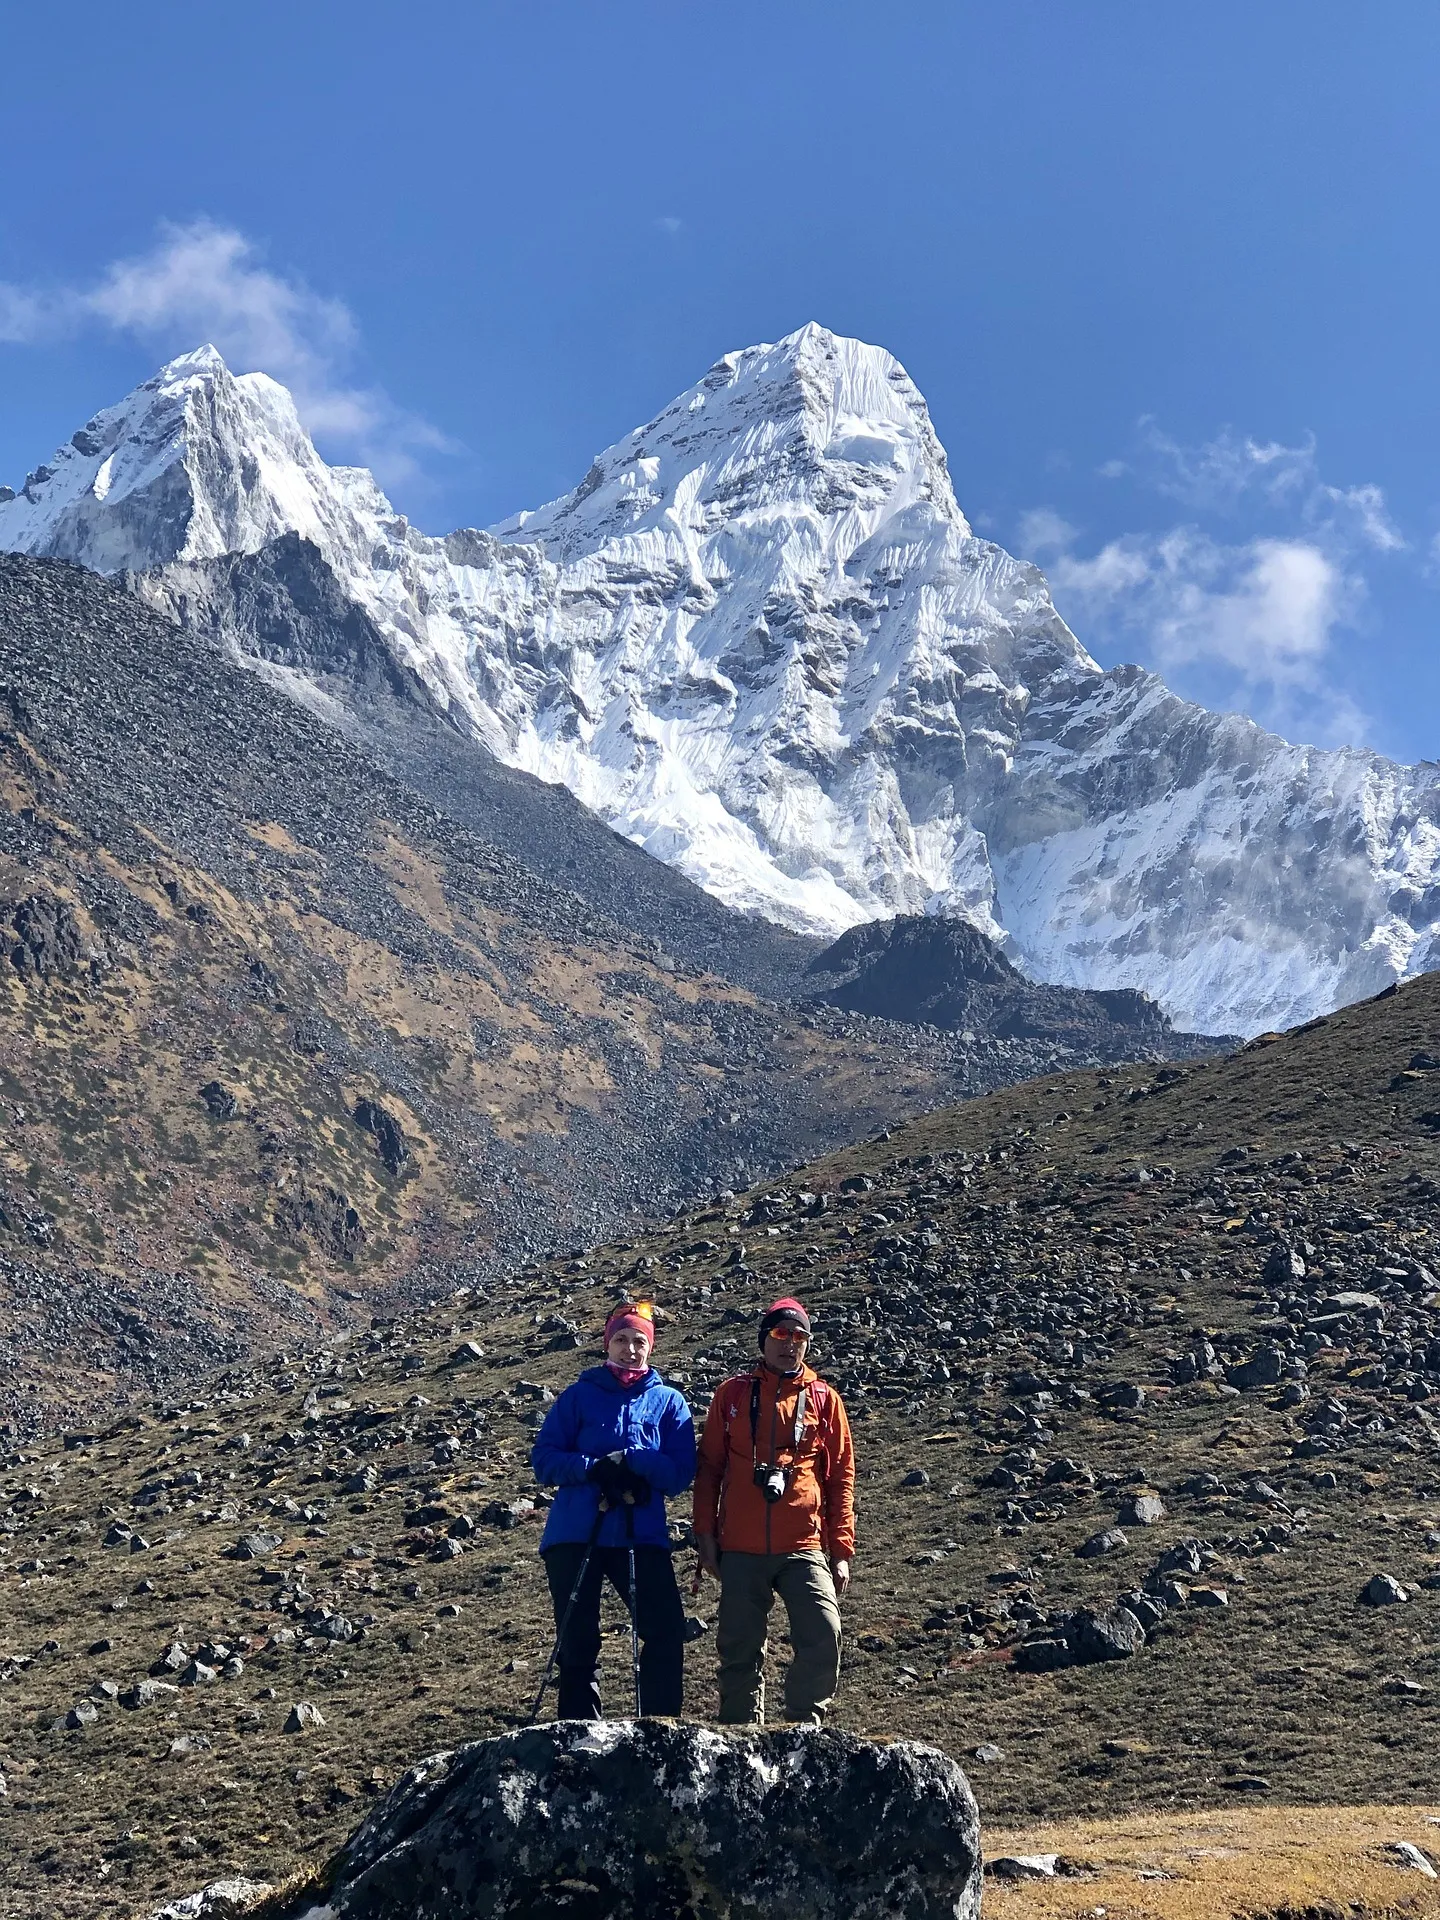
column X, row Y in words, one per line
column 761, row 640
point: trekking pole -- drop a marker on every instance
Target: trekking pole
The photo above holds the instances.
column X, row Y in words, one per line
column 600, row 1512
column 634, row 1634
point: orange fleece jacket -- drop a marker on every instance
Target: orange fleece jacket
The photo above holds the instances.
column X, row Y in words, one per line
column 818, row 1509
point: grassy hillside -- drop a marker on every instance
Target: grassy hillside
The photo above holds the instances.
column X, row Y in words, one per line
column 1045, row 1308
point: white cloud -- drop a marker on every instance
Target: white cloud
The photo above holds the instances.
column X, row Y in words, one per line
column 1268, row 610
column 1251, row 625
column 202, row 282
column 1234, row 472
column 1247, row 616
column 1361, row 511
column 24, row 316
column 1043, row 531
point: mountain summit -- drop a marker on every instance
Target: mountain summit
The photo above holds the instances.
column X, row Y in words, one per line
column 196, row 463
column 760, row 639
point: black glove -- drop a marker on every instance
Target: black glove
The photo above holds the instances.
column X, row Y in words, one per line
column 634, row 1487
column 619, row 1484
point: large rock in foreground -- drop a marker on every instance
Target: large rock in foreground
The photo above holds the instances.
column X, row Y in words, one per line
column 657, row 1820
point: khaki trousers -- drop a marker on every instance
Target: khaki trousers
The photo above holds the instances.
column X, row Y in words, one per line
column 748, row 1585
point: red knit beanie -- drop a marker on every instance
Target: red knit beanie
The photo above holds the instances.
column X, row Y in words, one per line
column 639, row 1317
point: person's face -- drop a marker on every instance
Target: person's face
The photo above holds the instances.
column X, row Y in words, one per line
column 628, row 1347
column 785, row 1349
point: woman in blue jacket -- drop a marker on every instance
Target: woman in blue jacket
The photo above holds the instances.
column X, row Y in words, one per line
column 617, row 1444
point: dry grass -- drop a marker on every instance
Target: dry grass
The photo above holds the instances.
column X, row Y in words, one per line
column 1210, row 1866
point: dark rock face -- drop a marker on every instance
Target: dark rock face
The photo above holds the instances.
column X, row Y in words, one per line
column 220, row 1102
column 932, row 960
column 284, row 604
column 665, row 1821
column 322, row 1213
column 947, row 974
column 47, row 941
column 389, row 1135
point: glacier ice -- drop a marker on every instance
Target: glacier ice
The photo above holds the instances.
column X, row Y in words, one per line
column 761, row 640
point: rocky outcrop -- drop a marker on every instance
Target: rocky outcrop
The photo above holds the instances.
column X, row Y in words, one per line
column 47, row 941
column 388, row 1134
column 657, row 1820
column 947, row 974
column 320, row 1212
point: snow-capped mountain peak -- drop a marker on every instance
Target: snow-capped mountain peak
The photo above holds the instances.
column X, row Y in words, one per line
column 760, row 639
column 813, row 421
column 195, row 463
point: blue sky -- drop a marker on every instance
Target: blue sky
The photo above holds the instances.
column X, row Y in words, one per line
column 1167, row 275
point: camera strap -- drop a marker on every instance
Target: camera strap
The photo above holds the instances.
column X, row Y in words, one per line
column 799, row 1433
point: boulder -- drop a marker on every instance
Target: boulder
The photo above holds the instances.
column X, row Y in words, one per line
column 255, row 1546
column 1283, row 1267
column 221, row 1900
column 1265, row 1368
column 1114, row 1634
column 1383, row 1590
column 1143, row 1508
column 1109, row 1541
column 1339, row 1304
column 1023, row 1866
column 1044, row 1655
column 651, row 1819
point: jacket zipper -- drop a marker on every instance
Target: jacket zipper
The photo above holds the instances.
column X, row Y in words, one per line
column 774, row 1415
column 625, row 1406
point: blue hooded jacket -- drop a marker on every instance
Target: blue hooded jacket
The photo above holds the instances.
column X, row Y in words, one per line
column 648, row 1422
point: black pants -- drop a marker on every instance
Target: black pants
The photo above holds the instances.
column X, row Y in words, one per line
column 659, row 1620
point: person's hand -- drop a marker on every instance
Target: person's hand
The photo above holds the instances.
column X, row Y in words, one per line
column 708, row 1549
column 635, row 1489
column 609, row 1478
column 840, row 1573
column 618, row 1482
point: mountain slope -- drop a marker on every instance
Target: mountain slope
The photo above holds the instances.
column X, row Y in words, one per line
column 276, row 1034
column 283, row 608
column 279, row 1037
column 1035, row 1305
column 760, row 640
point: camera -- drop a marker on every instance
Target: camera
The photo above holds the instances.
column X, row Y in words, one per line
column 771, row 1481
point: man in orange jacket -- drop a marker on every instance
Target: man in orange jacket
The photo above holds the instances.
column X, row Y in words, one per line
column 775, row 1513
